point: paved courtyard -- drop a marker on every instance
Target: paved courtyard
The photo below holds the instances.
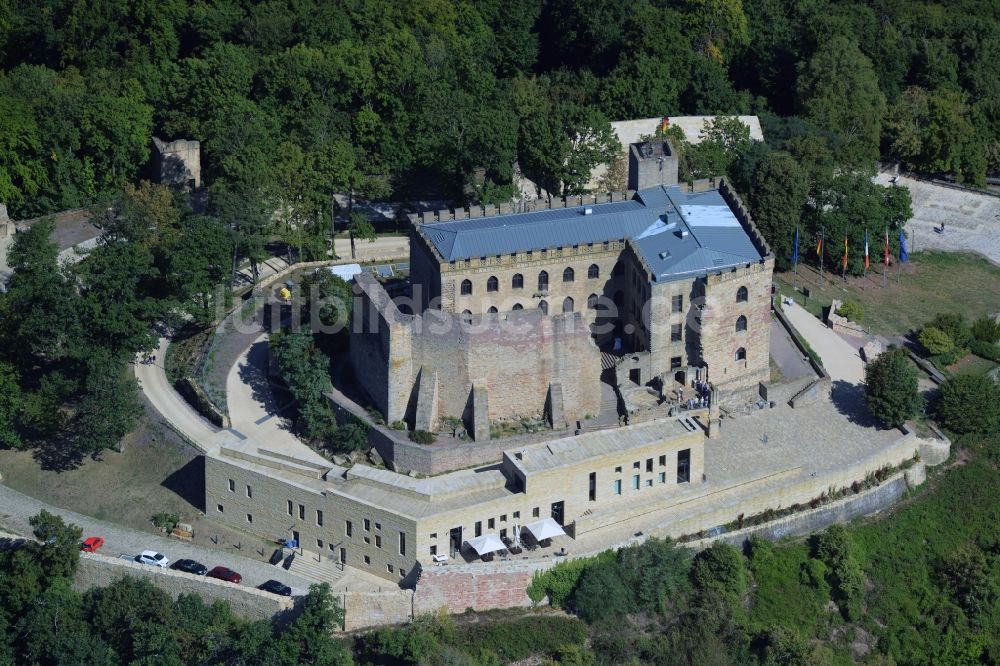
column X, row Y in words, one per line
column 972, row 221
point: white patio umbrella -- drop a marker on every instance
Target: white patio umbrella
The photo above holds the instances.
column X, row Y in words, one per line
column 517, row 535
column 546, row 528
column 488, row 543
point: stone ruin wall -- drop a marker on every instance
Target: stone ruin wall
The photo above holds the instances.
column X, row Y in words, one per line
column 516, row 358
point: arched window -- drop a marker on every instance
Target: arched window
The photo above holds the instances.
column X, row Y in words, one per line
column 467, row 316
column 592, row 302
column 493, row 284
column 593, row 272
column 568, row 304
column 741, row 354
column 568, row 275
column 517, row 282
column 466, row 287
column 543, row 281
column 543, row 306
column 492, row 310
column 517, row 306
column 741, row 324
column 742, row 295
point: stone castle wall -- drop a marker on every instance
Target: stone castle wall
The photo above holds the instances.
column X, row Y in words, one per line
column 517, row 358
column 177, row 163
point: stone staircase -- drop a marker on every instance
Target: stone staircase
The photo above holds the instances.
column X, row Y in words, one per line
column 314, row 567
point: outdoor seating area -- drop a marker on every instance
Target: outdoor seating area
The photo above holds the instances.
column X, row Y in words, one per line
column 534, row 538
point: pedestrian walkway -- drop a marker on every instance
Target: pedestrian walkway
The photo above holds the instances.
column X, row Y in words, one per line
column 841, row 360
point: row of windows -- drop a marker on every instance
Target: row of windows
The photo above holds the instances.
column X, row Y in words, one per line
column 683, row 474
column 517, row 281
column 568, row 305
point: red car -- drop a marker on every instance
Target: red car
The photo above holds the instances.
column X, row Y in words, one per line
column 92, row 544
column 222, row 573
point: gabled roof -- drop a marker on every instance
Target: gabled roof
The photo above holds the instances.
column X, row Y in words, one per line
column 677, row 233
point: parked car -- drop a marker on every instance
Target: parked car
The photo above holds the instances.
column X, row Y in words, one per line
column 276, row 587
column 190, row 566
column 152, row 557
column 223, row 573
column 92, row 544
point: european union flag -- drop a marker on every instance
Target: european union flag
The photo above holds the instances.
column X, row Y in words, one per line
column 902, row 246
column 795, row 249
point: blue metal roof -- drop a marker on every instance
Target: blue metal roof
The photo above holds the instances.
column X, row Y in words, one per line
column 677, row 233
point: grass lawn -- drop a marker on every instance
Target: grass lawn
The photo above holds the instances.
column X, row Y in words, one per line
column 970, row 364
column 931, row 282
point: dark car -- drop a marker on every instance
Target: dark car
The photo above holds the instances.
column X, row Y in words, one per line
column 223, row 573
column 276, row 587
column 191, row 567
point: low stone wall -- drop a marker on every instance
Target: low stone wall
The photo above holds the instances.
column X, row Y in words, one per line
column 97, row 570
column 375, row 609
column 195, row 396
column 865, row 503
column 816, row 391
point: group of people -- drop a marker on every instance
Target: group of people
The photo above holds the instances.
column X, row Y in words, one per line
column 701, row 398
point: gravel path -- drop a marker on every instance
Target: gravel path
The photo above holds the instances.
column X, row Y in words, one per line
column 16, row 508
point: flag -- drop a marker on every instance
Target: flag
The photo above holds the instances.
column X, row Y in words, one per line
column 795, row 249
column 819, row 247
column 845, row 253
column 902, row 246
column 885, row 259
column 867, row 263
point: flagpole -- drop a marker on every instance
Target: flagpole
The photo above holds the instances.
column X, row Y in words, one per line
column 822, row 238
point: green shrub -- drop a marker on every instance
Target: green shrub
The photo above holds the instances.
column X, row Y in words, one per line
column 836, row 549
column 956, row 328
column 166, row 521
column 602, row 594
column 523, row 638
column 969, row 403
column 560, row 581
column 935, row 341
column 852, row 310
column 942, row 361
column 986, row 329
column 422, row 437
column 987, row 350
column 718, row 573
column 398, row 425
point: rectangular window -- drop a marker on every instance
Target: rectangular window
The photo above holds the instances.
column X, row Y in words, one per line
column 677, row 304
column 434, row 535
column 319, row 544
column 492, row 523
column 368, row 540
column 249, row 518
column 378, row 526
column 232, row 486
column 402, row 543
column 503, row 518
column 663, row 477
column 434, row 550
column 517, row 514
column 368, row 560
column 534, row 512
column 290, row 508
column 636, row 465
column 663, row 461
column 618, row 486
column 635, row 482
column 249, row 492
column 618, row 470
column 302, row 511
column 368, row 525
column 649, row 483
column 593, row 486
column 348, row 528
column 389, row 568
column 319, row 517
column 378, row 540
column 675, row 362
column 503, row 534
column 219, row 507
column 479, row 528
column 649, row 464
column 676, row 332
column 684, row 466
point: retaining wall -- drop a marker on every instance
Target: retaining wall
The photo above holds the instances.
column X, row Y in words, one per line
column 97, row 570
